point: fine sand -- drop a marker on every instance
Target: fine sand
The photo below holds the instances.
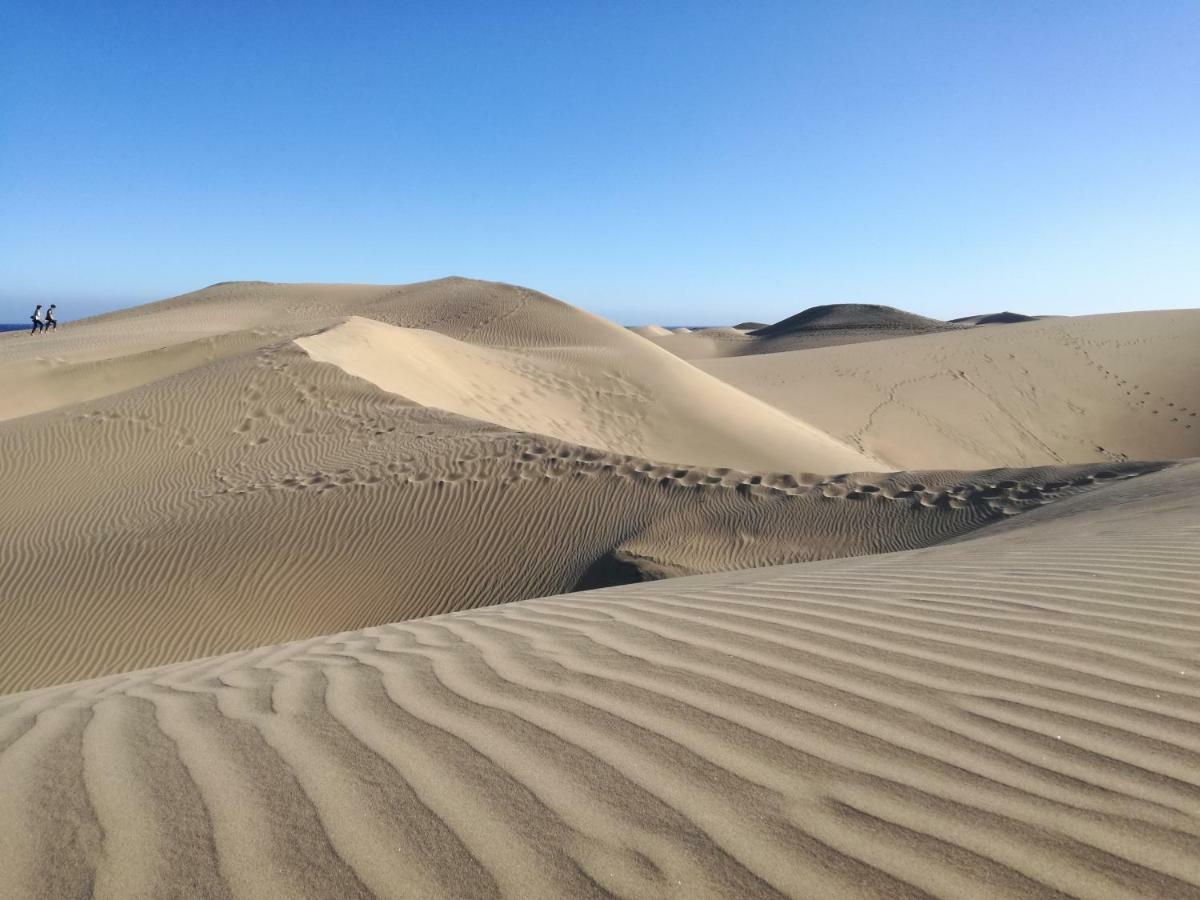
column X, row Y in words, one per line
column 1123, row 386
column 1014, row 715
column 941, row 633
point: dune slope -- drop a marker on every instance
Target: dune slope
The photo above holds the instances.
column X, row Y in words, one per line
column 271, row 497
column 466, row 444
column 1122, row 386
column 623, row 396
column 1010, row 715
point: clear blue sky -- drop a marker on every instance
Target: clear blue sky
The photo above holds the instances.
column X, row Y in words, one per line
column 651, row 161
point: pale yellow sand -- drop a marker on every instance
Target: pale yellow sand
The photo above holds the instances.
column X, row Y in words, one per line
column 650, row 330
column 1123, row 386
column 616, row 393
column 1013, row 715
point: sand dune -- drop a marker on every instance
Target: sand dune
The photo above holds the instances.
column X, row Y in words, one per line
column 650, row 330
column 620, row 395
column 975, row 677
column 502, row 446
column 1000, row 318
column 140, row 525
column 819, row 326
column 1014, row 714
column 1123, row 386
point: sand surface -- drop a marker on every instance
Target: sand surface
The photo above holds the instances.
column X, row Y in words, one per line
column 1013, row 715
column 913, row 615
column 1123, row 386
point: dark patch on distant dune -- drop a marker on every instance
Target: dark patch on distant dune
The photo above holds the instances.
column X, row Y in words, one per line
column 750, row 326
column 846, row 316
column 1000, row 318
column 819, row 326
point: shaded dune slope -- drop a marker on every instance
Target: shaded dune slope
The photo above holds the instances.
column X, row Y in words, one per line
column 1012, row 715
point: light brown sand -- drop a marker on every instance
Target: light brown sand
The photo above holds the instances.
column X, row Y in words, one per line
column 1013, row 715
column 994, row 695
column 1124, row 386
column 268, row 496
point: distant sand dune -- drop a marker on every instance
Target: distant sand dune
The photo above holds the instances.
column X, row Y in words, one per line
column 1011, row 715
column 818, row 326
column 1000, row 318
column 1124, row 386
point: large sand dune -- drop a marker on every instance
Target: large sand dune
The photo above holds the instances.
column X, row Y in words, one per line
column 618, row 394
column 1012, row 715
column 268, row 497
column 972, row 677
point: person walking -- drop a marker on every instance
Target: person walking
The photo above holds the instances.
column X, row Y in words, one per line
column 51, row 322
column 37, row 320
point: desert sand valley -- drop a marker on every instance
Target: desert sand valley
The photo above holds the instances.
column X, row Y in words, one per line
column 454, row 589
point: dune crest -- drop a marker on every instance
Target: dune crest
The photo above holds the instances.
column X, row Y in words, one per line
column 636, row 401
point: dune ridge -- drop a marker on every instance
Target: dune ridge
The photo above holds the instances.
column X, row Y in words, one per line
column 628, row 399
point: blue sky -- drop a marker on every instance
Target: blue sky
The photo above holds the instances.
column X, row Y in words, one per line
column 657, row 161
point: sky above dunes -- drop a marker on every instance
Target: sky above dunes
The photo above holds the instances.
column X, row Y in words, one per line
column 655, row 162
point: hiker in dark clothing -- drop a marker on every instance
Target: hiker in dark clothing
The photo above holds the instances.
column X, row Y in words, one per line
column 51, row 322
column 37, row 320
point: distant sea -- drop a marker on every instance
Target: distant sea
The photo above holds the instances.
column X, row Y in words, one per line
column 12, row 327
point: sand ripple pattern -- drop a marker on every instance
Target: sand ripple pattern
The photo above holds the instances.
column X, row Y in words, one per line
column 1013, row 715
